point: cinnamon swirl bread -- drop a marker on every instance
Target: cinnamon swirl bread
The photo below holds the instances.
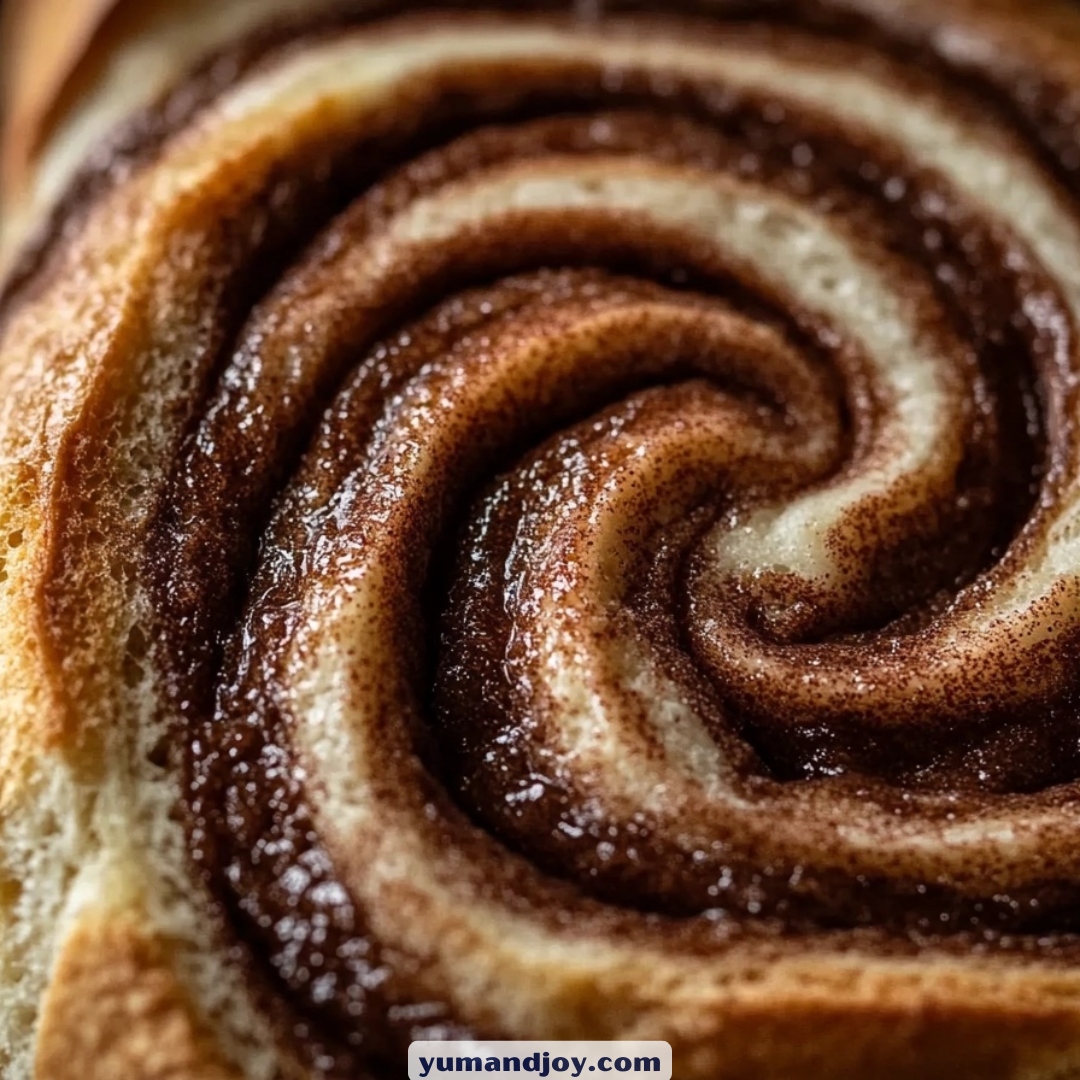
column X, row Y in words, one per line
column 531, row 522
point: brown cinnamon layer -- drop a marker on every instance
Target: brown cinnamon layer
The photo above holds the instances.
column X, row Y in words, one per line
column 611, row 507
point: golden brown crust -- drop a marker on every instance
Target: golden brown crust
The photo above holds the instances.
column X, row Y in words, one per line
column 74, row 70
column 114, row 1010
column 111, row 347
column 43, row 44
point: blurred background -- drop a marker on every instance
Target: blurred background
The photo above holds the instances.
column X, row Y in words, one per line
column 41, row 45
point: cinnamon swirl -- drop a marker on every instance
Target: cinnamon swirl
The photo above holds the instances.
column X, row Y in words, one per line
column 523, row 523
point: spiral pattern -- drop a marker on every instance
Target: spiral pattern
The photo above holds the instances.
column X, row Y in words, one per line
column 590, row 509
